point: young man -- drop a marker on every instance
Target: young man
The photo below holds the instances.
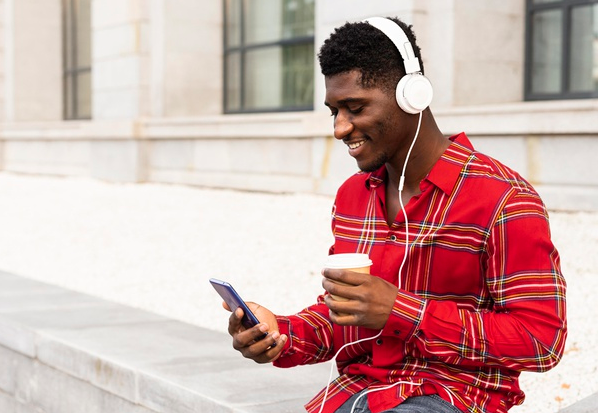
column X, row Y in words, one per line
column 466, row 289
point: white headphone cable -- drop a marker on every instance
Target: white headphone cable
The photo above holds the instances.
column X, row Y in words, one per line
column 401, row 183
column 334, row 359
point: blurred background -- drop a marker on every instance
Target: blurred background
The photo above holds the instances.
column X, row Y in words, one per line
column 143, row 143
column 228, row 94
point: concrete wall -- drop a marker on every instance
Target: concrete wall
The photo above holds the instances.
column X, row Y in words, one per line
column 3, row 42
column 120, row 59
column 193, row 65
column 157, row 100
column 32, row 60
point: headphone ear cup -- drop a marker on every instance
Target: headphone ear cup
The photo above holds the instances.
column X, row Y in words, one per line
column 414, row 93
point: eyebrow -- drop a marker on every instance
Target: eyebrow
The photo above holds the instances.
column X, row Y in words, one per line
column 344, row 102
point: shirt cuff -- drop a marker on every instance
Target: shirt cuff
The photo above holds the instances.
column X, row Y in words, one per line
column 284, row 327
column 406, row 316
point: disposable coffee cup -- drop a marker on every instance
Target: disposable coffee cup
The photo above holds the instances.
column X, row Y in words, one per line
column 349, row 261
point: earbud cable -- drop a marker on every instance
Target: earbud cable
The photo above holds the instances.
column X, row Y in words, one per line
column 401, row 184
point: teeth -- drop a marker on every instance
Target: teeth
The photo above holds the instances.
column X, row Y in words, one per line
column 355, row 145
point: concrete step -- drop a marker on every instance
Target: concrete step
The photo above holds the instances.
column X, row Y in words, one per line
column 62, row 351
column 587, row 405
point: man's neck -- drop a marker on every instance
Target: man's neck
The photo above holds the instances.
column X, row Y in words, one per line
column 428, row 148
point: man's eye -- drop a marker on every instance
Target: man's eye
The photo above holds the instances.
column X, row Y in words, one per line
column 356, row 110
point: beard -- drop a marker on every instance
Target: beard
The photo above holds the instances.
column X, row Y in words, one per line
column 374, row 164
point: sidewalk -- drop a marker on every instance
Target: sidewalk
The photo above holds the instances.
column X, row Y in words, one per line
column 154, row 247
column 63, row 351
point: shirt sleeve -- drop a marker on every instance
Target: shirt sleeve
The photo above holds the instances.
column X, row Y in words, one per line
column 310, row 336
column 526, row 327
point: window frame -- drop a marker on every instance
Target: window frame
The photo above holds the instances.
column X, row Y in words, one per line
column 565, row 6
column 242, row 50
column 71, row 74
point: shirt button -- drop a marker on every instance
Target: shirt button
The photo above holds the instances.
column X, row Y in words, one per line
column 379, row 341
column 393, row 237
column 397, row 332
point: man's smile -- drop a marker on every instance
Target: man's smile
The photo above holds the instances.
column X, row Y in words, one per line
column 355, row 145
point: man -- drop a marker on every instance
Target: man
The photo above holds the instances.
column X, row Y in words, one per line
column 466, row 289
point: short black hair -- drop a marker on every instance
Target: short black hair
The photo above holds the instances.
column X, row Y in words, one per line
column 360, row 46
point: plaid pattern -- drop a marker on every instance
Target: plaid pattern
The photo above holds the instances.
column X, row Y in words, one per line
column 483, row 297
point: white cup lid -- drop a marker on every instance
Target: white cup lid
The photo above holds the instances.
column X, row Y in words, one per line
column 349, row 260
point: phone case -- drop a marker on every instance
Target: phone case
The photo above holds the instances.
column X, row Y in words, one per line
column 234, row 300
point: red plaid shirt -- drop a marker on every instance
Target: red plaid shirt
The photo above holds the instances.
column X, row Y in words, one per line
column 482, row 295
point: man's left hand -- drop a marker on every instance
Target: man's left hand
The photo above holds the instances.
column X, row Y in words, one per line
column 369, row 299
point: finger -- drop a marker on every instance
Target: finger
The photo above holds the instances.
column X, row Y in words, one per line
column 345, row 276
column 244, row 339
column 234, row 322
column 340, row 307
column 225, row 306
column 343, row 319
column 341, row 290
column 254, row 348
column 275, row 343
column 344, row 313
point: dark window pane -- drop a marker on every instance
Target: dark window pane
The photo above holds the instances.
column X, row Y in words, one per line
column 263, row 21
column 272, row 66
column 546, row 51
column 298, row 76
column 84, row 95
column 69, row 95
column 584, row 49
column 83, row 33
column 298, row 18
column 263, row 71
column 233, row 23
column 233, row 81
column 77, row 58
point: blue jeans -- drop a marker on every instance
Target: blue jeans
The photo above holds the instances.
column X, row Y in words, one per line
column 417, row 404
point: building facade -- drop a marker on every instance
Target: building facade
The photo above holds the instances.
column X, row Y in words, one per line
column 228, row 94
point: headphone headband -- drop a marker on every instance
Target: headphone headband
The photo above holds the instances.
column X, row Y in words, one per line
column 396, row 35
column 414, row 92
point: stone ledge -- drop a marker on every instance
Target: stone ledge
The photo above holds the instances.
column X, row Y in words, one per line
column 61, row 350
column 587, row 405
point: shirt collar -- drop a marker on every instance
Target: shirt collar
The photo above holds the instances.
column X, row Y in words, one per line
column 444, row 173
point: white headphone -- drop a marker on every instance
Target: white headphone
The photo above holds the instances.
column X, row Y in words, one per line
column 414, row 91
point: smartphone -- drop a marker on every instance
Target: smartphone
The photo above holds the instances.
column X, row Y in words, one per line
column 234, row 301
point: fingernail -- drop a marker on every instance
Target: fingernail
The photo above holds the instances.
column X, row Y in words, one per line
column 264, row 328
column 275, row 335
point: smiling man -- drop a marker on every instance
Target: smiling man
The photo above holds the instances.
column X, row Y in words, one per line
column 465, row 290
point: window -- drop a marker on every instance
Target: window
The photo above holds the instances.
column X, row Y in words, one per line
column 562, row 49
column 268, row 55
column 77, row 59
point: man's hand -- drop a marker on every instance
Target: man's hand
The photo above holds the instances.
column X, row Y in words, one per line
column 265, row 350
column 369, row 299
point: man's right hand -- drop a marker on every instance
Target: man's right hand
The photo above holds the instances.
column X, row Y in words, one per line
column 265, row 350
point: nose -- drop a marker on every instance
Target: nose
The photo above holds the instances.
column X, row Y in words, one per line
column 342, row 126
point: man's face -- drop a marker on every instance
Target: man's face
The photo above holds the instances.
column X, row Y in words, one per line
column 368, row 121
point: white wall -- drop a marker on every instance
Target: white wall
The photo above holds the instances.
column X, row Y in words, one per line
column 192, row 58
column 3, row 41
column 33, row 60
column 120, row 59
